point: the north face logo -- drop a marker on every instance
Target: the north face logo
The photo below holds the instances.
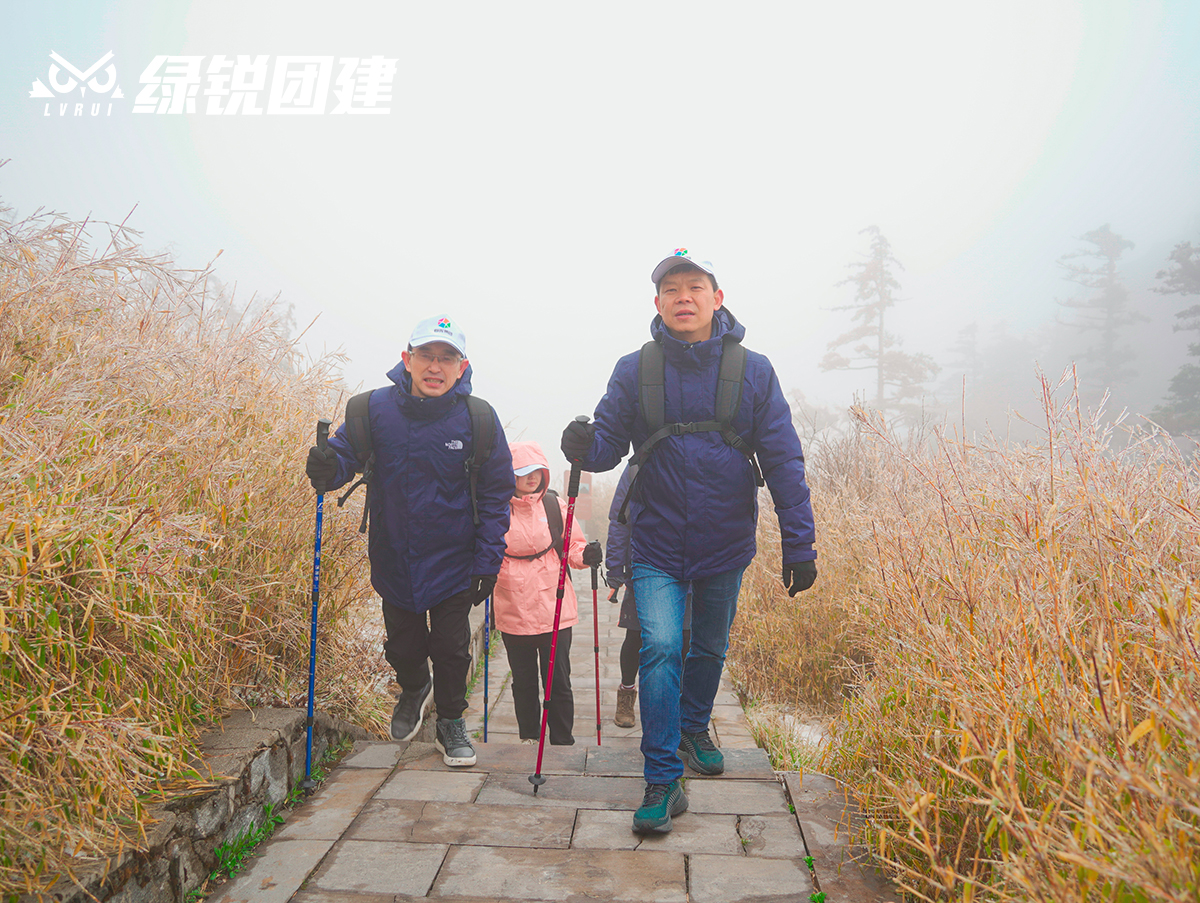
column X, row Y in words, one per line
column 454, row 445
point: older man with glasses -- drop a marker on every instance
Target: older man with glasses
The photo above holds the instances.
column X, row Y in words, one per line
column 431, row 557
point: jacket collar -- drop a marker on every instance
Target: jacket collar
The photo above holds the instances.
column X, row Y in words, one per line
column 698, row 354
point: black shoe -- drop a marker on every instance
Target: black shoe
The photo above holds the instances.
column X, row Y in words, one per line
column 699, row 752
column 410, row 711
column 452, row 740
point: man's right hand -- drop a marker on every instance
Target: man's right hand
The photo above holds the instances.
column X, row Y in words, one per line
column 577, row 440
column 321, row 467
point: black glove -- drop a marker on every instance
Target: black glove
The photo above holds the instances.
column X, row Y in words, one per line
column 799, row 576
column 614, row 580
column 481, row 587
column 321, row 467
column 593, row 555
column 577, row 440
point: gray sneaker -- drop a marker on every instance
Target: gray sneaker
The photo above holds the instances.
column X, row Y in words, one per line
column 410, row 711
column 452, row 740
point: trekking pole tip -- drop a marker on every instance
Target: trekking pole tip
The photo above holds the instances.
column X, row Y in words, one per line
column 537, row 780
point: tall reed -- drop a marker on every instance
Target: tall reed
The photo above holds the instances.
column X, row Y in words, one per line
column 1026, row 723
column 155, row 535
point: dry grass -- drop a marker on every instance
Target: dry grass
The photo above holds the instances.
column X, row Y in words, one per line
column 1026, row 725
column 155, row 536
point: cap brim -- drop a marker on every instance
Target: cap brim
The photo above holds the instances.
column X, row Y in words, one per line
column 528, row 469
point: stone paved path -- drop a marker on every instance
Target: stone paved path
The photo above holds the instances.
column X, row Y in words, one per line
column 393, row 823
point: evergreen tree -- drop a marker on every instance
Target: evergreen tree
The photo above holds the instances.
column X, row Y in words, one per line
column 1181, row 410
column 1105, row 308
column 898, row 375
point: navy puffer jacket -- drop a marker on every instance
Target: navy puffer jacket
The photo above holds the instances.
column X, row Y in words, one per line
column 695, row 505
column 423, row 544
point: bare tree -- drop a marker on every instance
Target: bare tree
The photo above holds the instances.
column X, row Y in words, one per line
column 898, row 375
column 1181, row 410
column 1104, row 309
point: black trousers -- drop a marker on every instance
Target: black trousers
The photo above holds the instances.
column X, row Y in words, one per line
column 443, row 636
column 527, row 656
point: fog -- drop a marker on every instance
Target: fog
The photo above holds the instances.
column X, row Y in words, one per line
column 535, row 160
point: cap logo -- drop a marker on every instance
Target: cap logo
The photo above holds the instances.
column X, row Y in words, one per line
column 444, row 323
column 680, row 252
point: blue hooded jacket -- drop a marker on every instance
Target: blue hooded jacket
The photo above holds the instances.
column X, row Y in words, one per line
column 695, row 506
column 423, row 544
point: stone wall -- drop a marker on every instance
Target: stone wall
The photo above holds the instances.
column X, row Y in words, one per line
column 255, row 758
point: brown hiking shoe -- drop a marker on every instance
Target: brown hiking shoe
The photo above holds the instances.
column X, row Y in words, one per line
column 625, row 701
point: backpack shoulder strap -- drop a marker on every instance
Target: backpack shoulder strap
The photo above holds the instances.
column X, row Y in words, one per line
column 652, row 385
column 554, row 518
column 358, row 426
column 483, row 439
column 358, row 431
column 731, row 380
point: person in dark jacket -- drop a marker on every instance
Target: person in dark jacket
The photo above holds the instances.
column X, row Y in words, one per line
column 429, row 561
column 693, row 510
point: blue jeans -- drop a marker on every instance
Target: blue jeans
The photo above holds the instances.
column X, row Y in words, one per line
column 666, row 707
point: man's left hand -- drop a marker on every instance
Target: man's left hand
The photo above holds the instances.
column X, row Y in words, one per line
column 799, row 576
column 481, row 587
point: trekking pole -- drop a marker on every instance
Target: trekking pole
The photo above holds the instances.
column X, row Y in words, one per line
column 309, row 784
column 596, row 642
column 487, row 641
column 536, row 778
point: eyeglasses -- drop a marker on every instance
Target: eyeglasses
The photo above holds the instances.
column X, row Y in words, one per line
column 446, row 360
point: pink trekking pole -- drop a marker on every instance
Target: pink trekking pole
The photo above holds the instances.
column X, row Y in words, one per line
column 536, row 779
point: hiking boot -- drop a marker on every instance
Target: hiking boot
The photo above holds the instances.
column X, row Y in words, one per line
column 625, row 701
column 410, row 711
column 661, row 802
column 700, row 753
column 452, row 740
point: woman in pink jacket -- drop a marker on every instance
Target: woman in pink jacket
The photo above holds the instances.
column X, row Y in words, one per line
column 525, row 595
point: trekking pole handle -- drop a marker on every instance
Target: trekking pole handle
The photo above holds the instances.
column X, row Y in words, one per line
column 595, row 578
column 323, row 426
column 573, row 485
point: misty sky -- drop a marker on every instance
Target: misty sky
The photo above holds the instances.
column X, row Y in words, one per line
column 539, row 158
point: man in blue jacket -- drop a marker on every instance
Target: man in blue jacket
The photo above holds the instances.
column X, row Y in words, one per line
column 694, row 510
column 430, row 562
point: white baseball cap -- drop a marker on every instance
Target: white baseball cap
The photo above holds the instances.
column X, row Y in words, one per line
column 439, row 329
column 528, row 469
column 678, row 256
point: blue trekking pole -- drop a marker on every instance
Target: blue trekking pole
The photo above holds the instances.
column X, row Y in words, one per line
column 309, row 784
column 487, row 641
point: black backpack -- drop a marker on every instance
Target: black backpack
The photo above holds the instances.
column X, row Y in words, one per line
column 555, row 520
column 652, row 404
column 358, row 431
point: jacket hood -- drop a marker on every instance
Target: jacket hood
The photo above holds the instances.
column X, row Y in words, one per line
column 724, row 324
column 526, row 453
